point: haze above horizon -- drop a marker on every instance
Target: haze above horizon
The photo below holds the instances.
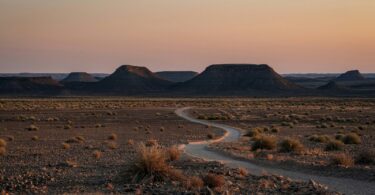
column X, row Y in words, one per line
column 323, row 36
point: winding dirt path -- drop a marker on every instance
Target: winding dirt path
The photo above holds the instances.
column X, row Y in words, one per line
column 199, row 149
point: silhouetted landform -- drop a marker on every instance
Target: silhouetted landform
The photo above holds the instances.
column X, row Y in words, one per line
column 323, row 75
column 177, row 76
column 55, row 76
column 29, row 86
column 310, row 82
column 128, row 80
column 79, row 77
column 332, row 85
column 353, row 75
column 229, row 80
column 237, row 79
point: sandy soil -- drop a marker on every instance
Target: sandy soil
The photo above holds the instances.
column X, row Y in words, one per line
column 53, row 145
column 301, row 120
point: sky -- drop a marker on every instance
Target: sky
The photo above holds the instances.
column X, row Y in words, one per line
column 292, row 36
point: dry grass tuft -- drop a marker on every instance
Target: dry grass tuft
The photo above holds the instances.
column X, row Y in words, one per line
column 151, row 142
column 2, row 151
column 291, row 145
column 342, row 160
column 214, row 181
column 173, row 153
column 3, row 143
column 264, row 143
column 65, row 146
column 193, row 182
column 150, row 164
column 97, row 154
column 319, row 138
column 352, row 138
column 366, row 157
column 32, row 128
column 243, row 172
column 252, row 133
column 130, row 142
column 112, row 137
column 334, row 145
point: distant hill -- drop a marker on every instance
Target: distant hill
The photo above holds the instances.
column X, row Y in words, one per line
column 29, row 86
column 177, row 76
column 353, row 75
column 243, row 78
column 55, row 76
column 79, row 77
column 332, row 85
column 128, row 79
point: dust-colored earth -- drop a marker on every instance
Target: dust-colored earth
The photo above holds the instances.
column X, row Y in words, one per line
column 84, row 145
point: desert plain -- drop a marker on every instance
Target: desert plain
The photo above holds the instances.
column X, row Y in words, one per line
column 136, row 145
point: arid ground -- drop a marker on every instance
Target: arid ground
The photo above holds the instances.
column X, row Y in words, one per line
column 120, row 145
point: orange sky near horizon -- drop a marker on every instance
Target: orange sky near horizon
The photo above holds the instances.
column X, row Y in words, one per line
column 97, row 36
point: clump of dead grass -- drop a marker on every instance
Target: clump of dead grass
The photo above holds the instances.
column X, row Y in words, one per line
column 150, row 164
column 291, row 145
column 333, row 145
column 366, row 157
column 214, row 180
column 264, row 143
column 113, row 136
column 342, row 160
column 173, row 153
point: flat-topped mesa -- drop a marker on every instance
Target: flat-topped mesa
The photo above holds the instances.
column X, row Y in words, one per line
column 128, row 79
column 353, row 75
column 238, row 77
column 79, row 77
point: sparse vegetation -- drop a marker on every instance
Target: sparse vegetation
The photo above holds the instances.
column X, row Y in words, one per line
column 352, row 138
column 97, row 154
column 320, row 138
column 214, row 180
column 35, row 138
column 264, row 143
column 252, row 133
column 173, row 153
column 2, row 151
column 3, row 143
column 130, row 142
column 112, row 137
column 366, row 157
column 291, row 145
column 65, row 146
column 194, row 182
column 150, row 164
column 342, row 160
column 334, row 145
column 151, row 142
column 32, row 128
